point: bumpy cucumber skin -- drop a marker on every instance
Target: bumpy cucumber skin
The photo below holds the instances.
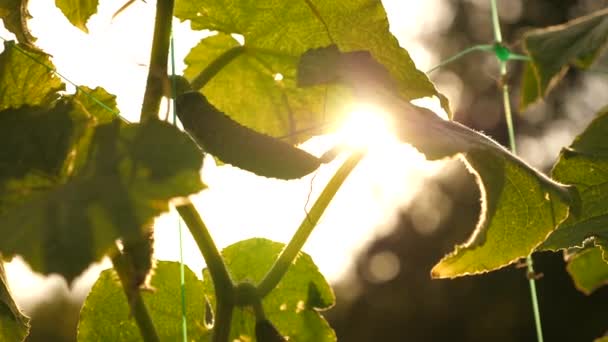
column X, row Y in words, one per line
column 235, row 144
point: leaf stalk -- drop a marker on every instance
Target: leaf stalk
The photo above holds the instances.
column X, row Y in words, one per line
column 222, row 283
column 291, row 251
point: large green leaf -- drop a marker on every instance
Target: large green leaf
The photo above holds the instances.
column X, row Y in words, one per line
column 588, row 269
column 24, row 81
column 78, row 12
column 37, row 140
column 293, row 306
column 276, row 33
column 520, row 206
column 554, row 49
column 105, row 315
column 131, row 173
column 14, row 14
column 14, row 325
column 585, row 165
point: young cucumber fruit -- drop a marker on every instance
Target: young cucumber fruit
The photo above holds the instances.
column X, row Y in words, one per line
column 232, row 143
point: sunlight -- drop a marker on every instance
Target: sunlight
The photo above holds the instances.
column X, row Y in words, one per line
column 367, row 126
column 114, row 56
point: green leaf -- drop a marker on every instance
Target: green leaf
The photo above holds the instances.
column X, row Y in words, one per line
column 24, row 81
column 276, row 33
column 104, row 112
column 520, row 206
column 14, row 325
column 131, row 173
column 293, row 306
column 14, row 14
column 585, row 165
column 78, row 12
column 105, row 315
column 554, row 49
column 36, row 140
column 588, row 269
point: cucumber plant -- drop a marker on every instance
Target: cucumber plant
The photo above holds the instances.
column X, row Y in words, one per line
column 78, row 183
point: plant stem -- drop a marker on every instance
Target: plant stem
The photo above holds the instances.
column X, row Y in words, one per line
column 125, row 272
column 288, row 255
column 511, row 130
column 157, row 72
column 222, row 283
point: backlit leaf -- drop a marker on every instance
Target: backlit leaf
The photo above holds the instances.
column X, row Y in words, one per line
column 293, row 306
column 78, row 12
column 555, row 49
column 588, row 269
column 131, row 173
column 105, row 315
column 23, row 81
column 585, row 165
column 276, row 33
column 520, row 206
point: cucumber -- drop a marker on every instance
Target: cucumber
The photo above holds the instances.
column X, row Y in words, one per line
column 243, row 147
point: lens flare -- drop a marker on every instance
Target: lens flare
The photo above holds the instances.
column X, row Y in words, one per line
column 367, row 126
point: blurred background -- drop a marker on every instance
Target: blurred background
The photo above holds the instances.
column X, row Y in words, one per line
column 382, row 282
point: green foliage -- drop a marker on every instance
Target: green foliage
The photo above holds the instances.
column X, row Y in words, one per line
column 585, row 165
column 40, row 140
column 16, row 74
column 14, row 14
column 554, row 49
column 131, row 173
column 14, row 326
column 78, row 12
column 84, row 98
column 276, row 33
column 75, row 178
column 105, row 315
column 520, row 205
column 588, row 269
column 293, row 306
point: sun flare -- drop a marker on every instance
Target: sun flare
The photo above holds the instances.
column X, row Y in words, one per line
column 366, row 126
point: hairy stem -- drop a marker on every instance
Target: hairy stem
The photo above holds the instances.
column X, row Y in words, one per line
column 125, row 271
column 222, row 283
column 288, row 255
column 157, row 72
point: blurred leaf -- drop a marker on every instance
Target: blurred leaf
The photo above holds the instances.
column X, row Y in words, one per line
column 24, row 81
column 554, row 49
column 78, row 12
column 103, row 114
column 14, row 14
column 293, row 306
column 37, row 140
column 131, row 173
column 588, row 269
column 105, row 315
column 276, row 33
column 585, row 165
column 520, row 206
column 14, row 325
